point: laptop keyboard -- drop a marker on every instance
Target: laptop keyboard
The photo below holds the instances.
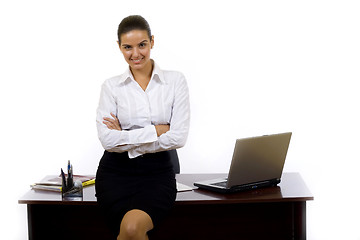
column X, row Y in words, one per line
column 220, row 184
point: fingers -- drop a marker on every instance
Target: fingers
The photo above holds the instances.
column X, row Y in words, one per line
column 108, row 122
column 114, row 116
column 112, row 123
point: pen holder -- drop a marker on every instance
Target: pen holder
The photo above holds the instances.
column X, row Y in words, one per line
column 75, row 193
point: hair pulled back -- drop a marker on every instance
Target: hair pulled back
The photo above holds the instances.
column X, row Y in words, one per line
column 133, row 22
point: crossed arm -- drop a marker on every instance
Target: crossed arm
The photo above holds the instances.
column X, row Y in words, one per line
column 114, row 124
column 151, row 138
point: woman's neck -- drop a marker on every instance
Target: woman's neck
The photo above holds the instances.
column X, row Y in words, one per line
column 142, row 76
column 144, row 73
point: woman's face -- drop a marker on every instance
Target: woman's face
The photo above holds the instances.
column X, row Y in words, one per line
column 135, row 46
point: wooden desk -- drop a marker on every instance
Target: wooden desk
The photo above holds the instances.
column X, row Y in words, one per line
column 269, row 213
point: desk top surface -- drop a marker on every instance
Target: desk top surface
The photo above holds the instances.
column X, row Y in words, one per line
column 292, row 188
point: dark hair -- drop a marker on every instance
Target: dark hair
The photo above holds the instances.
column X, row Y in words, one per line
column 133, row 22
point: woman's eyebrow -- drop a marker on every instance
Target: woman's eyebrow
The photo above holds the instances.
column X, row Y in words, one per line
column 143, row 41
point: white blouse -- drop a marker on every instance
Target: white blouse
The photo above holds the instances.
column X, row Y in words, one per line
column 165, row 101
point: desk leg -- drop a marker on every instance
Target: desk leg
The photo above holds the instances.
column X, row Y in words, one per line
column 299, row 219
column 30, row 221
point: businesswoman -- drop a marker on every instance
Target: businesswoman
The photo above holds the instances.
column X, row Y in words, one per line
column 142, row 114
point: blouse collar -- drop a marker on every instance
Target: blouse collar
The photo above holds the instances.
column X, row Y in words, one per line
column 157, row 74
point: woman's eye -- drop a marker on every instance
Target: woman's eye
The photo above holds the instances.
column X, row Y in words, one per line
column 127, row 47
column 142, row 45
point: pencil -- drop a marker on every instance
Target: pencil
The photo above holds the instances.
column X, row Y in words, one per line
column 89, row 182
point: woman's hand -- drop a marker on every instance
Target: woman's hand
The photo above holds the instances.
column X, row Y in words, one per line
column 112, row 123
column 162, row 128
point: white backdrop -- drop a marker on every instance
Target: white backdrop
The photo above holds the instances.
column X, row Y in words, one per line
column 253, row 68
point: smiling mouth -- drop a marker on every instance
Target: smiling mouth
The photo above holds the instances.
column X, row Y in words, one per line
column 137, row 61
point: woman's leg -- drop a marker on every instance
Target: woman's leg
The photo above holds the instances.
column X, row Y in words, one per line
column 135, row 225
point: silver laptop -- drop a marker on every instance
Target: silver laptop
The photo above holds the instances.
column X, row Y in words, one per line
column 257, row 162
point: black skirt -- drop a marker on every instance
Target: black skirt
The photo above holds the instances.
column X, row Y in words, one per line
column 146, row 183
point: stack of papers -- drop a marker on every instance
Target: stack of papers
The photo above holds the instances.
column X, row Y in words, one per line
column 54, row 184
column 183, row 188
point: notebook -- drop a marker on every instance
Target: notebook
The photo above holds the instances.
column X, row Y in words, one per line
column 257, row 162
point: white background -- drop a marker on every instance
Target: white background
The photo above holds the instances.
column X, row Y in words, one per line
column 253, row 68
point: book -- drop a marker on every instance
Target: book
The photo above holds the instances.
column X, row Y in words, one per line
column 45, row 187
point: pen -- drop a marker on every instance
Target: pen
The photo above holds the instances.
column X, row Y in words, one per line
column 71, row 171
column 70, row 180
column 63, row 180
